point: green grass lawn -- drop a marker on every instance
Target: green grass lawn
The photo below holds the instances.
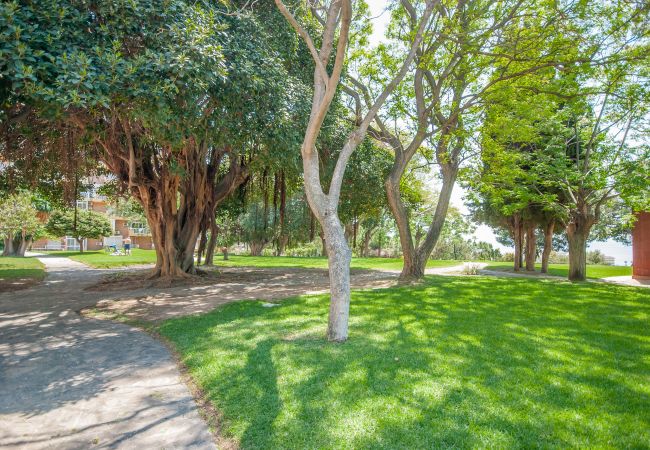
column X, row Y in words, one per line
column 456, row 362
column 562, row 270
column 102, row 260
column 12, row 268
column 320, row 262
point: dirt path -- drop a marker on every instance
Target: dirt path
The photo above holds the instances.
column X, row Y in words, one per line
column 233, row 284
column 71, row 382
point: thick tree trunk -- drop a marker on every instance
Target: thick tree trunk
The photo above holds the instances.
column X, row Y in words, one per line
column 413, row 268
column 257, row 247
column 22, row 247
column 548, row 245
column 339, row 257
column 577, row 234
column 531, row 246
column 80, row 241
column 175, row 226
column 9, row 247
column 174, row 253
column 16, row 246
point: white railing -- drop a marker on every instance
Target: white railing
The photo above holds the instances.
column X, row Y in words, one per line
column 140, row 231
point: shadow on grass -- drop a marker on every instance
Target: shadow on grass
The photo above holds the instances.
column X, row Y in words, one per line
column 460, row 362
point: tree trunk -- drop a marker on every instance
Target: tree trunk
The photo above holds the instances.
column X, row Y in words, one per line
column 400, row 215
column 365, row 246
column 413, row 268
column 9, row 247
column 518, row 238
column 174, row 227
column 225, row 253
column 203, row 240
column 212, row 243
column 312, row 226
column 15, row 246
column 348, row 232
column 80, row 241
column 323, row 244
column 281, row 244
column 415, row 258
column 548, row 245
column 257, row 247
column 22, row 248
column 339, row 257
column 531, row 246
column 577, row 234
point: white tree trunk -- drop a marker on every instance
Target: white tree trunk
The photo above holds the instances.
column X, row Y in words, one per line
column 325, row 206
column 338, row 256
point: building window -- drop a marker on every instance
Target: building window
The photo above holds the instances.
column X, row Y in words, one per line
column 138, row 228
column 83, row 204
column 72, row 244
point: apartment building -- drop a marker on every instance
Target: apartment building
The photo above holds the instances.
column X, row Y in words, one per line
column 122, row 228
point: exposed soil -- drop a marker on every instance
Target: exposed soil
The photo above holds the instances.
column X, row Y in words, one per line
column 17, row 284
column 140, row 278
column 197, row 295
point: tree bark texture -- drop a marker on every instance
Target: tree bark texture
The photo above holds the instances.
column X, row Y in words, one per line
column 577, row 231
column 16, row 246
column 212, row 243
column 415, row 257
column 518, row 237
column 325, row 205
column 548, row 244
column 531, row 246
column 365, row 245
column 176, row 187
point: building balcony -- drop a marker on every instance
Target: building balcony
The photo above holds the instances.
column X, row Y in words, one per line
column 139, row 231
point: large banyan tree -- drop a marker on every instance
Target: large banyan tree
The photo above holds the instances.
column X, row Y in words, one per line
column 179, row 98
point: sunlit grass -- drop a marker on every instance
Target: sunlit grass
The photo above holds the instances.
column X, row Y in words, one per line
column 12, row 268
column 455, row 362
column 320, row 262
column 562, row 270
column 102, row 260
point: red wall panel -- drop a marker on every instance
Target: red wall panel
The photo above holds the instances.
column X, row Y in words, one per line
column 641, row 246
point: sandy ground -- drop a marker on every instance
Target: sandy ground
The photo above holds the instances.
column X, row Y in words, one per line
column 232, row 284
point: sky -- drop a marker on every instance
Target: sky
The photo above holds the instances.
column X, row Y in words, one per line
column 621, row 253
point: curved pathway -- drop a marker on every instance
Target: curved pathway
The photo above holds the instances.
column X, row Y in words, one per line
column 71, row 382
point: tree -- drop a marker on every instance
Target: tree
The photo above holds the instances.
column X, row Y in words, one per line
column 80, row 224
column 176, row 101
column 19, row 223
column 479, row 46
column 335, row 17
